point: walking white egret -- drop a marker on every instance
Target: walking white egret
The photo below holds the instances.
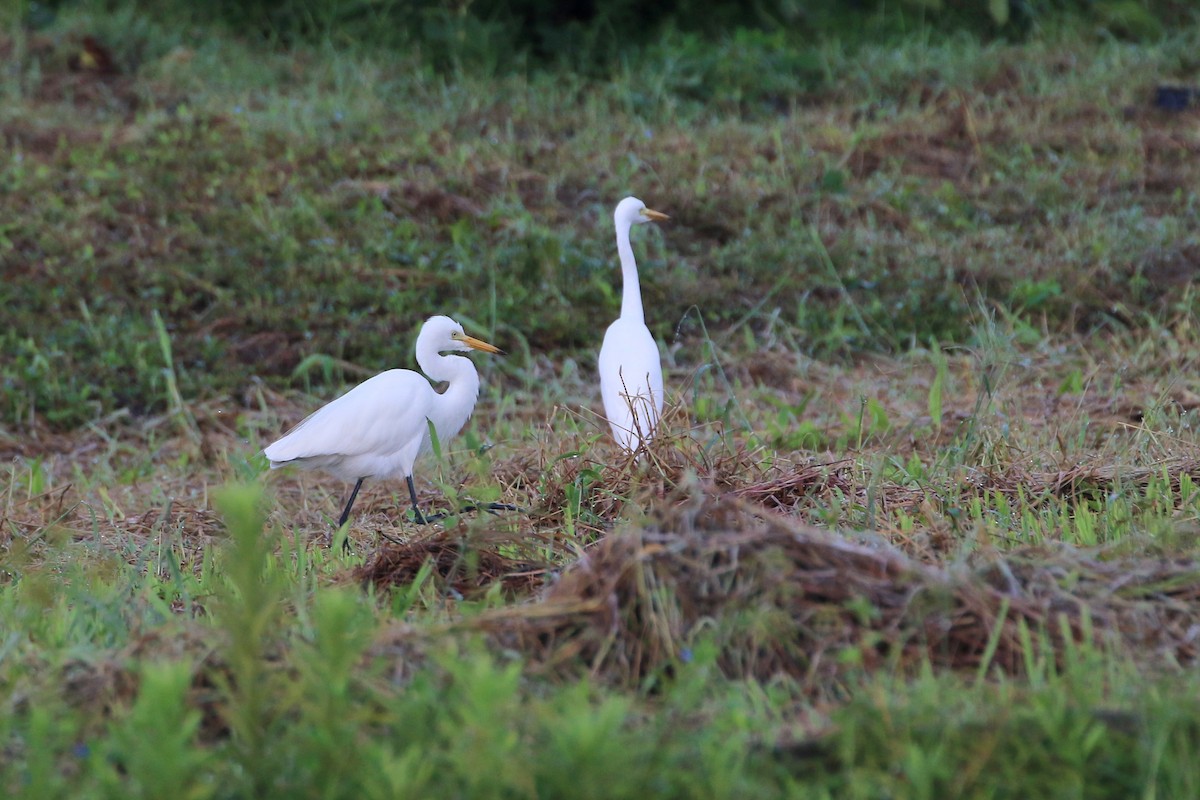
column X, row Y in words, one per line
column 630, row 371
column 380, row 427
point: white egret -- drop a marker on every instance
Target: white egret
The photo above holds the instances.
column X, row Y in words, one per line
column 630, row 371
column 378, row 428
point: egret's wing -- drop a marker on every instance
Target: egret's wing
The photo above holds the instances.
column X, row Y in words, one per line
column 380, row 415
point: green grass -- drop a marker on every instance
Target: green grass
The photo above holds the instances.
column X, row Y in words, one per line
column 287, row 689
column 921, row 524
column 310, row 203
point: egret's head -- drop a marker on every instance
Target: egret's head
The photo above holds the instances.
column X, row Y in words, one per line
column 632, row 211
column 449, row 336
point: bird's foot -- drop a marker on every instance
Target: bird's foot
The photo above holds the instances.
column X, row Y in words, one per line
column 491, row 508
column 343, row 533
column 425, row 519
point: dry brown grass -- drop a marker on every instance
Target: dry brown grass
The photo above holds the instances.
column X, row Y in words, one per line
column 785, row 599
column 467, row 565
column 618, row 566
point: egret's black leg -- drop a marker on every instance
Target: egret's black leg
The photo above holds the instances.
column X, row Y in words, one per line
column 421, row 519
column 350, row 503
column 346, row 513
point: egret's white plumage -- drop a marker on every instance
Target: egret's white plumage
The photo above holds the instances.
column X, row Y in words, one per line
column 379, row 428
column 630, row 370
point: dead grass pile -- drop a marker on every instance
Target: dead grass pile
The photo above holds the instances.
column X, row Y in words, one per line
column 597, row 490
column 1087, row 479
column 786, row 483
column 781, row 599
column 467, row 563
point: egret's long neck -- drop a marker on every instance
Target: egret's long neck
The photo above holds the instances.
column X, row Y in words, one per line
column 454, row 406
column 458, row 371
column 631, row 293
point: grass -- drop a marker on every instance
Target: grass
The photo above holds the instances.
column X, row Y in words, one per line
column 922, row 522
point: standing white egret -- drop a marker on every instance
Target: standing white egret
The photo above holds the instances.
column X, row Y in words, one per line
column 630, row 371
column 378, row 428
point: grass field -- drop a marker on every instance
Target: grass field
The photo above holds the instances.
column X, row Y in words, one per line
column 922, row 522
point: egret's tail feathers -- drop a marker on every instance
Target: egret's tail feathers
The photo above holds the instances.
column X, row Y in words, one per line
column 277, row 458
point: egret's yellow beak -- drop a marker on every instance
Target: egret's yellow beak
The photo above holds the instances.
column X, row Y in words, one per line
column 476, row 344
column 651, row 214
